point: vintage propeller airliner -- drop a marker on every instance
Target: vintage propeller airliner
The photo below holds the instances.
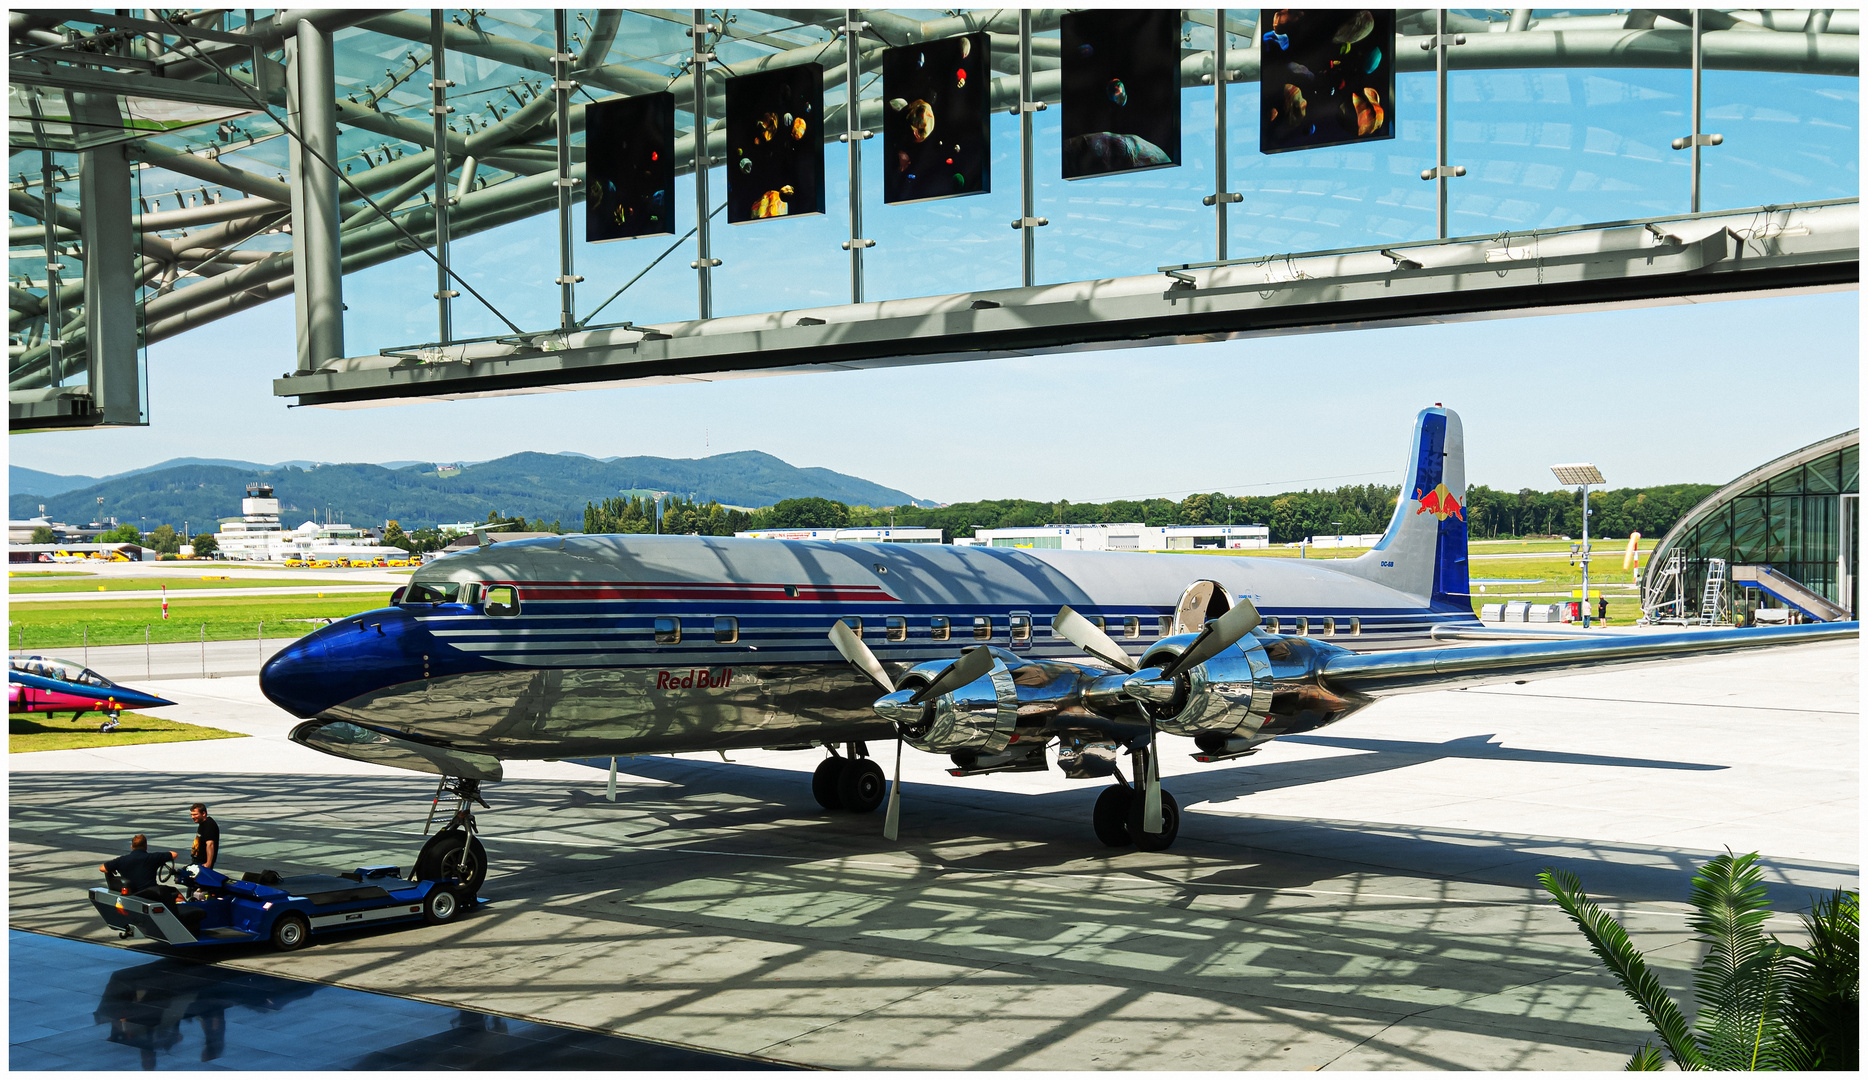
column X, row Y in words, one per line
column 598, row 646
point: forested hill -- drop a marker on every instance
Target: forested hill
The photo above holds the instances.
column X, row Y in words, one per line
column 555, row 487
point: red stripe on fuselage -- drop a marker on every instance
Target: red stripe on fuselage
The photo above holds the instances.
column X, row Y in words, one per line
column 699, row 590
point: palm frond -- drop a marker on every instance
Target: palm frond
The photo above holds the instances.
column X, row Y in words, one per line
column 1646, row 1059
column 1823, row 989
column 1739, row 985
column 1610, row 943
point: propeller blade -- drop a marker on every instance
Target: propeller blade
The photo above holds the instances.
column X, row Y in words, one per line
column 971, row 666
column 857, row 653
column 891, row 825
column 1218, row 635
column 1151, row 797
column 1083, row 633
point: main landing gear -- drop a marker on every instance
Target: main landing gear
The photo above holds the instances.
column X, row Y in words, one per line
column 854, row 783
column 1117, row 817
column 455, row 852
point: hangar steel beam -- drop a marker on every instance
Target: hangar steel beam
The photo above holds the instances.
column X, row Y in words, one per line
column 1761, row 251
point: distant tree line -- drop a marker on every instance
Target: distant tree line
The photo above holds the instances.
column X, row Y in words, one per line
column 1359, row 508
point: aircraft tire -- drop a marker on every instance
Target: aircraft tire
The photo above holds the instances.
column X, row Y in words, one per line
column 453, row 853
column 1110, row 819
column 863, row 786
column 825, row 783
column 1170, row 823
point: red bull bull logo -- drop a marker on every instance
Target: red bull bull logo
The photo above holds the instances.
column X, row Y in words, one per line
column 1439, row 502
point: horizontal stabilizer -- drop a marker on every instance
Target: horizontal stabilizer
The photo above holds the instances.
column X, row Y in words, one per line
column 1410, row 671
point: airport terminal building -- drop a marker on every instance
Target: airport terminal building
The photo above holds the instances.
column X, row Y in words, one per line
column 1798, row 515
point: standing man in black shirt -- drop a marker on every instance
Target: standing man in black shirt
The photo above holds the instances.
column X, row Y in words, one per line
column 138, row 868
column 207, row 847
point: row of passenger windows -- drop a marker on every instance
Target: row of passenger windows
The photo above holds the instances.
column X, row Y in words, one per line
column 941, row 628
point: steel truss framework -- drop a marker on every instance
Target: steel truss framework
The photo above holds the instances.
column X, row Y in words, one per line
column 289, row 166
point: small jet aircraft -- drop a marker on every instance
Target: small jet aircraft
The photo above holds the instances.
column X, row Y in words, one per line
column 597, row 646
column 48, row 685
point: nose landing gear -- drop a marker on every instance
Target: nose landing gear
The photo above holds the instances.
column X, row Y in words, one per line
column 455, row 851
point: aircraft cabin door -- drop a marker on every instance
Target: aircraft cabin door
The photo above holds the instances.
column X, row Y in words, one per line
column 1203, row 600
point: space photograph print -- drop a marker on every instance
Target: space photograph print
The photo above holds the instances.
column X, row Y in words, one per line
column 1121, row 91
column 629, row 168
column 936, row 140
column 775, row 144
column 1326, row 78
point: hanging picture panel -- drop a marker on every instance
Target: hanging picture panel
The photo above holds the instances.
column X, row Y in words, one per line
column 775, row 144
column 1121, row 91
column 629, row 168
column 936, row 132
column 1326, row 78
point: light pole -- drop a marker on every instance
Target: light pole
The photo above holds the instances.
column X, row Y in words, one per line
column 1582, row 474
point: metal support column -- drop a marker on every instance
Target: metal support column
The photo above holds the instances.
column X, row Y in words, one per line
column 316, row 263
column 108, row 239
column 1441, row 171
column 854, row 135
column 1698, row 138
column 444, row 296
column 561, row 87
column 702, row 234
column 1221, row 80
column 1586, row 551
column 1027, row 221
column 54, row 315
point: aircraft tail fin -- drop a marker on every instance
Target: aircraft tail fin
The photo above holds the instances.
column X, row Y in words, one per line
column 1423, row 553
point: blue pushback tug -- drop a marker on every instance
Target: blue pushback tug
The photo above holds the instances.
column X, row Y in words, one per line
column 285, row 911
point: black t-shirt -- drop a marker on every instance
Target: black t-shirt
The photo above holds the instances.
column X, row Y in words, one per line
column 209, row 831
column 138, row 868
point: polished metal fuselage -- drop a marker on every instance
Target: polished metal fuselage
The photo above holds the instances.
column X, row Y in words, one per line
column 580, row 671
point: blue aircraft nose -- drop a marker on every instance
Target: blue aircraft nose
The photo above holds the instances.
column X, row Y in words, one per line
column 298, row 678
column 345, row 661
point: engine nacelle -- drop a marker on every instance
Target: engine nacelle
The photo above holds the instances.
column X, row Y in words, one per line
column 1229, row 695
column 980, row 717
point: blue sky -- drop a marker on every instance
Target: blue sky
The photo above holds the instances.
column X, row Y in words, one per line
column 1653, row 395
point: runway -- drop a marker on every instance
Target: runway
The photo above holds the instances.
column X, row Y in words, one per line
column 1362, row 898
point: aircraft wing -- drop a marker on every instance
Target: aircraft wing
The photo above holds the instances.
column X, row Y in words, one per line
column 1382, row 674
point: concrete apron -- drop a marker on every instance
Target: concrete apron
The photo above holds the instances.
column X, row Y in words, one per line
column 715, row 905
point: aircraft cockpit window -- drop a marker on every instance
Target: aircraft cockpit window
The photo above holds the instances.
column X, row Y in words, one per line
column 470, row 593
column 895, row 628
column 982, row 628
column 92, row 678
column 938, row 628
column 1021, row 627
column 432, row 592
column 667, row 631
column 502, row 600
column 725, row 631
column 1131, row 627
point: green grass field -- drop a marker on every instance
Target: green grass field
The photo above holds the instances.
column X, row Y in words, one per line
column 93, row 583
column 60, row 624
column 29, row 733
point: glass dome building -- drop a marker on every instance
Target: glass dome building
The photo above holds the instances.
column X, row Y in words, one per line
column 1797, row 515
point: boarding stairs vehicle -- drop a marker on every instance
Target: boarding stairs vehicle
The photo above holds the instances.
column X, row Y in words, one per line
column 264, row 906
column 1712, row 601
column 1811, row 603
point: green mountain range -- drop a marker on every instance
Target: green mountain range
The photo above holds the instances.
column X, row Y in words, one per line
column 554, row 487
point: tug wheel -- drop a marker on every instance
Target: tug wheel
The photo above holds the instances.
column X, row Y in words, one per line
column 290, row 932
column 441, row 906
